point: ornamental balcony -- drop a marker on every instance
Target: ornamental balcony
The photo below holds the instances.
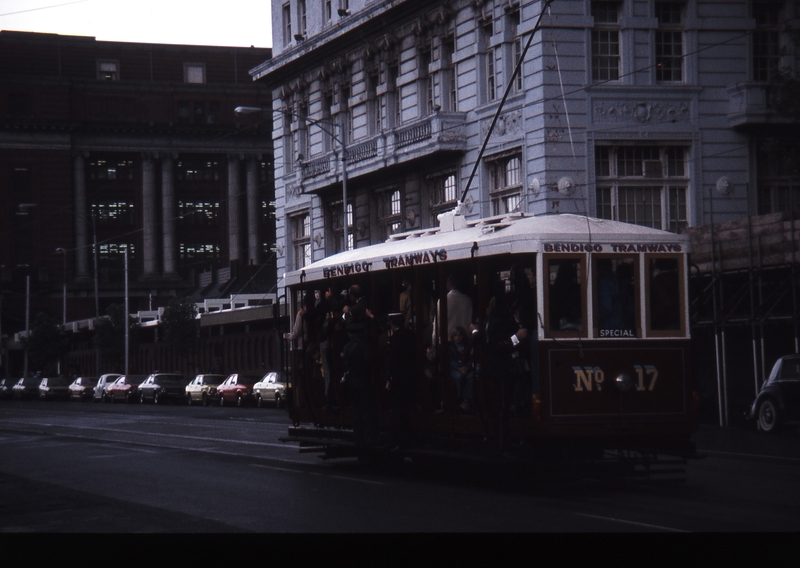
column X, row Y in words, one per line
column 439, row 133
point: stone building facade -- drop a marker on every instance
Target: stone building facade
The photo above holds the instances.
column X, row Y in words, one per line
column 138, row 147
column 647, row 111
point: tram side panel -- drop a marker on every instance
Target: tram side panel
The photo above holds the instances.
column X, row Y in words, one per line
column 620, row 389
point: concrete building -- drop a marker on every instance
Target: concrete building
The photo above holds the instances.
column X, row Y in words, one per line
column 653, row 112
column 136, row 146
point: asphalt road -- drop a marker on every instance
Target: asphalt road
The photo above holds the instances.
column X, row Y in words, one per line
column 72, row 467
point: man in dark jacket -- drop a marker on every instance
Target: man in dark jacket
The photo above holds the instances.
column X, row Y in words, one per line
column 400, row 383
column 357, row 363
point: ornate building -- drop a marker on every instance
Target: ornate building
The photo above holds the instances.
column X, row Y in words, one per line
column 647, row 111
column 136, row 147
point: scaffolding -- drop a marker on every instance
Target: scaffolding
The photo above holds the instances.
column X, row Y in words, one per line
column 744, row 282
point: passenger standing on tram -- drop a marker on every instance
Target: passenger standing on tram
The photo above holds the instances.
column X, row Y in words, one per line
column 327, row 320
column 462, row 369
column 406, row 307
column 357, row 363
column 400, row 380
column 431, row 363
column 502, row 336
column 459, row 308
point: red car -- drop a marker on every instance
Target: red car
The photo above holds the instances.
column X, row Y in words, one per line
column 126, row 388
column 237, row 388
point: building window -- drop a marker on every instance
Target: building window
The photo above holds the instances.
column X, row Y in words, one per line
column 345, row 118
column 395, row 94
column 198, row 170
column 516, row 49
column 642, row 185
column 113, row 212
column 301, row 240
column 389, row 213
column 505, row 183
column 490, row 84
column 669, row 42
column 194, row 73
column 605, row 41
column 778, row 180
column 443, row 193
column 107, row 70
column 287, row 24
column 424, row 81
column 328, row 8
column 108, row 169
column 766, row 39
column 198, row 213
column 301, row 12
column 373, row 103
column 337, row 226
column 198, row 253
column 450, row 95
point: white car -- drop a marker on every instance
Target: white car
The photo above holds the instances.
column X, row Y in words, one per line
column 271, row 388
column 204, row 388
column 101, row 388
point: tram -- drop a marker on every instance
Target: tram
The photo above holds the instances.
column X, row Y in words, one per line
column 606, row 366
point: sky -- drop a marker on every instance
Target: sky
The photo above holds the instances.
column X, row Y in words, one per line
column 236, row 23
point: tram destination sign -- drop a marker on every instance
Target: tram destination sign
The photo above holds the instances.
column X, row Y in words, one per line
column 613, row 247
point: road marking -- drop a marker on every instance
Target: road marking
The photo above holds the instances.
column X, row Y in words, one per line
column 157, row 434
column 630, row 522
column 319, row 474
column 759, row 456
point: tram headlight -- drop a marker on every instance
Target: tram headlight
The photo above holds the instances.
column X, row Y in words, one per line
column 623, row 382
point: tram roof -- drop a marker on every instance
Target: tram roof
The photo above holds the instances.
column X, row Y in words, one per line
column 515, row 233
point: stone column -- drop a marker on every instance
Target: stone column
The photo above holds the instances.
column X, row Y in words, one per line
column 253, row 211
column 233, row 208
column 81, row 219
column 149, row 229
column 168, row 215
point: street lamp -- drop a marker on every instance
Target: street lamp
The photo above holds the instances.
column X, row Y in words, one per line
column 63, row 252
column 322, row 125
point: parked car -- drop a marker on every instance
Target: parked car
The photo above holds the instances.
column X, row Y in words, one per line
column 57, row 387
column 203, row 389
column 82, row 388
column 5, row 387
column 27, row 388
column 237, row 388
column 159, row 387
column 101, row 388
column 778, row 401
column 272, row 388
column 126, row 388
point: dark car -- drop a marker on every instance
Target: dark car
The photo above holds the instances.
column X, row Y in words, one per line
column 57, row 387
column 82, row 388
column 778, row 401
column 27, row 388
column 163, row 386
column 126, row 388
column 6, row 386
column 238, row 389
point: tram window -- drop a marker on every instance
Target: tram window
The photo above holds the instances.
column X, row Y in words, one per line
column 665, row 296
column 565, row 303
column 615, row 285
